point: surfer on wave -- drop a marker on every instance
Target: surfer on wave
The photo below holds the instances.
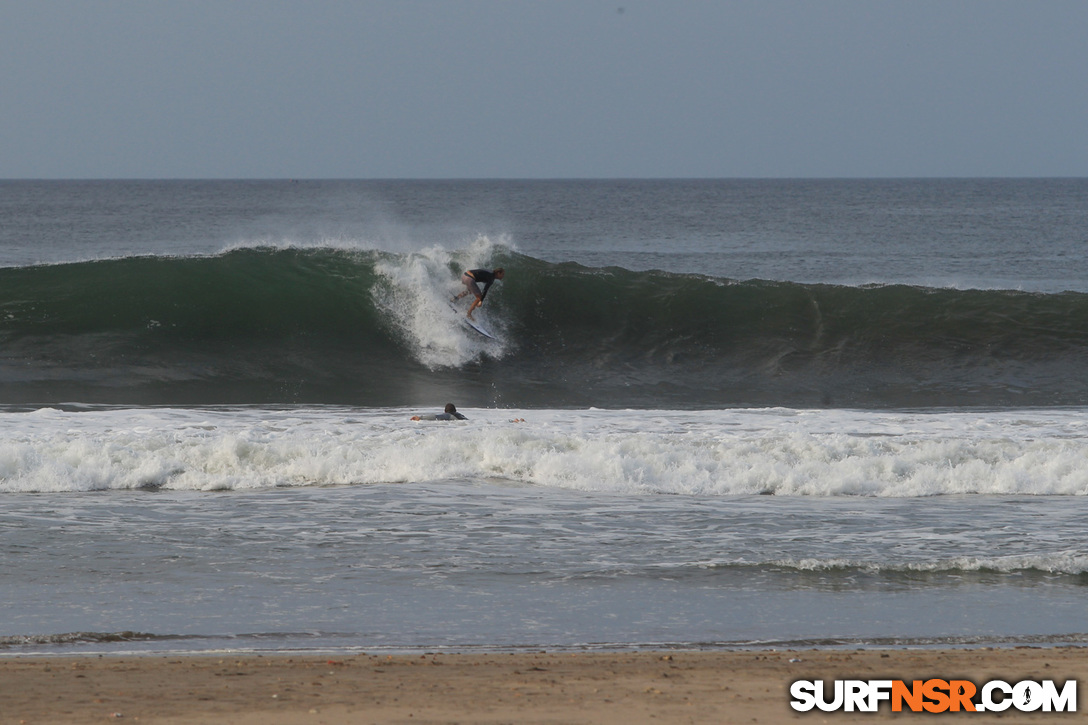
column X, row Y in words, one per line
column 450, row 413
column 472, row 279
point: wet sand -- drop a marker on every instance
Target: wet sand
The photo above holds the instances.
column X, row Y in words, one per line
column 621, row 688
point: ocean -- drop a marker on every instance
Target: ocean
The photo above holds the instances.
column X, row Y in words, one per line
column 716, row 414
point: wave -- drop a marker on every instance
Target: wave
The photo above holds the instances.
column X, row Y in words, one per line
column 705, row 453
column 70, row 638
column 1071, row 562
column 348, row 644
column 367, row 327
column 1024, row 569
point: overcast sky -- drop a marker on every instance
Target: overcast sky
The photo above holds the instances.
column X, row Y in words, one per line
column 542, row 88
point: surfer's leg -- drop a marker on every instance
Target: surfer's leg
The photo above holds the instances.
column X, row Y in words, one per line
column 470, row 286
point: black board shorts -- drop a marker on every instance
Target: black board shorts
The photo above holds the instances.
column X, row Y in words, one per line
column 468, row 281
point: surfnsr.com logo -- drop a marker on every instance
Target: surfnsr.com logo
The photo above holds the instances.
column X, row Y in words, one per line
column 934, row 695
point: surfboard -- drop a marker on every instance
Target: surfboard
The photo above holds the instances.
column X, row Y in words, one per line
column 472, row 323
column 476, row 326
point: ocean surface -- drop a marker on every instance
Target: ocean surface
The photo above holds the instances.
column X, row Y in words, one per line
column 717, row 413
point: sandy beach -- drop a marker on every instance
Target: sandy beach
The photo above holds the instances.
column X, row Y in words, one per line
column 624, row 687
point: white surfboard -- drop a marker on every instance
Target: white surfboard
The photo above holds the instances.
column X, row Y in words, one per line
column 474, row 324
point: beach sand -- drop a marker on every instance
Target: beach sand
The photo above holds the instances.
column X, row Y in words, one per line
column 618, row 687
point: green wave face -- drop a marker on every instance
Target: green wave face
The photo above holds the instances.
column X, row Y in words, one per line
column 375, row 328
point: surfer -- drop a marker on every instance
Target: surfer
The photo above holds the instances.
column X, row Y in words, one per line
column 450, row 413
column 472, row 279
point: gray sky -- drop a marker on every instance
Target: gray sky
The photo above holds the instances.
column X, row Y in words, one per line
column 542, row 89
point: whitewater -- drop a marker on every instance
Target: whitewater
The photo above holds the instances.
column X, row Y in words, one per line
column 716, row 414
column 775, row 451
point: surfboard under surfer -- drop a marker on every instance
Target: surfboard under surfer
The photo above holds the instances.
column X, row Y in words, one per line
column 472, row 279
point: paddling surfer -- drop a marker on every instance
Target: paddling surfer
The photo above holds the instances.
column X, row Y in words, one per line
column 472, row 279
column 450, row 413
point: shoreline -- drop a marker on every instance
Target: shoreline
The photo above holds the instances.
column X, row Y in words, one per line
column 543, row 687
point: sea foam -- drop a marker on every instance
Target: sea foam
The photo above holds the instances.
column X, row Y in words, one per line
column 415, row 291
column 698, row 453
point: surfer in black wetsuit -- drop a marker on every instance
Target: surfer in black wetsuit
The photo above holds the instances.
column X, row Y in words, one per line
column 450, row 413
column 472, row 279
